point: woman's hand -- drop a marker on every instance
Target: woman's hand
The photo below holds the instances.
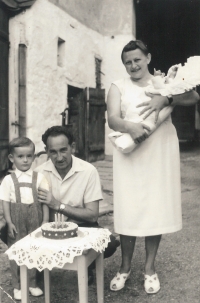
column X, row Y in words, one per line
column 137, row 131
column 156, row 103
column 45, row 196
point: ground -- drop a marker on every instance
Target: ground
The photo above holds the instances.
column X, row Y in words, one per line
column 177, row 262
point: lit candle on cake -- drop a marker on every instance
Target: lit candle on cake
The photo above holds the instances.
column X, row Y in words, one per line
column 62, row 219
column 56, row 220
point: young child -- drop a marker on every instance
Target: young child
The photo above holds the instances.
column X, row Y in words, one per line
column 22, row 211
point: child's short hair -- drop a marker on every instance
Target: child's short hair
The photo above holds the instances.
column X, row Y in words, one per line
column 20, row 142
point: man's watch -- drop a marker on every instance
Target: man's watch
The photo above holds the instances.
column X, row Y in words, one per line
column 170, row 99
column 61, row 208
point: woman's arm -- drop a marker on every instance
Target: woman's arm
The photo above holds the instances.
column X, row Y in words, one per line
column 115, row 122
column 158, row 102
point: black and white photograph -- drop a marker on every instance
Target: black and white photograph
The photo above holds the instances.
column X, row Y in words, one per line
column 99, row 151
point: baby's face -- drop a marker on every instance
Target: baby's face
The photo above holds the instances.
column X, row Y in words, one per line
column 22, row 157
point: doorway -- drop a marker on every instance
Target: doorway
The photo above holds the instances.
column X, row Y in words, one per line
column 76, row 117
column 171, row 30
column 86, row 116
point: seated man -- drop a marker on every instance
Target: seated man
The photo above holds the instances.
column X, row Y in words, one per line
column 75, row 189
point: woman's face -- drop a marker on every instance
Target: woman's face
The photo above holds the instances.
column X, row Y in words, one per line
column 136, row 63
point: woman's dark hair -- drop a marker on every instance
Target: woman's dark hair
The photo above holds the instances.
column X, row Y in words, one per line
column 20, row 142
column 133, row 45
column 55, row 131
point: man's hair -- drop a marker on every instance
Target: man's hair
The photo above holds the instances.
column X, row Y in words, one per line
column 55, row 131
column 20, row 142
column 133, row 45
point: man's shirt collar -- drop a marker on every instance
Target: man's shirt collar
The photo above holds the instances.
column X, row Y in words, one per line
column 77, row 166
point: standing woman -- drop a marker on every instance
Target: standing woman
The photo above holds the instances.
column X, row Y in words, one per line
column 147, row 192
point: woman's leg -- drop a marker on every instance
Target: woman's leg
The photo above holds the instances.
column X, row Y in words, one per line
column 127, row 248
column 151, row 245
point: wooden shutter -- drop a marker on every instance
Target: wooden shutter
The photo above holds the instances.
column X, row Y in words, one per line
column 76, row 119
column 96, row 124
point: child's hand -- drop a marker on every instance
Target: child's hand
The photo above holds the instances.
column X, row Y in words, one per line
column 12, row 231
column 158, row 73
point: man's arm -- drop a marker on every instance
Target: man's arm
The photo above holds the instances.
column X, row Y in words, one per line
column 89, row 213
column 158, row 102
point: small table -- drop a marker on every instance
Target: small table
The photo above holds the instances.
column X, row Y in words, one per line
column 35, row 251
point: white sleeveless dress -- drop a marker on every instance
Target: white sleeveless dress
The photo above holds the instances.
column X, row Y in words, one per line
column 146, row 182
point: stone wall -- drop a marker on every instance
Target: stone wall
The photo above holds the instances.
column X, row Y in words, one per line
column 108, row 17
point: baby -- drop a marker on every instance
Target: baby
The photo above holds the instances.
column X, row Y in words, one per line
column 22, row 211
column 123, row 141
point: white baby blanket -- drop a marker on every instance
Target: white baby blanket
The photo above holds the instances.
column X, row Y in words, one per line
column 124, row 142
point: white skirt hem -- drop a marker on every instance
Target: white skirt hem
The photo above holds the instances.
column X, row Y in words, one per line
column 153, row 232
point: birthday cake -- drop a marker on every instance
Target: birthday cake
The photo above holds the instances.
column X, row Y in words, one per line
column 64, row 230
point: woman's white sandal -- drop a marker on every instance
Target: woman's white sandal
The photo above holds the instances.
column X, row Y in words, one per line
column 151, row 284
column 118, row 282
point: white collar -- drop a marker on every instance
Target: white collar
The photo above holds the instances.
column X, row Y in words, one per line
column 77, row 166
column 18, row 172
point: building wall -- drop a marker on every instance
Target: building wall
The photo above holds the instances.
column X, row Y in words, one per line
column 39, row 28
column 108, row 17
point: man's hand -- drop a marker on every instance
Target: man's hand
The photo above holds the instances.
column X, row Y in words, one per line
column 156, row 104
column 45, row 196
column 12, row 231
column 137, row 131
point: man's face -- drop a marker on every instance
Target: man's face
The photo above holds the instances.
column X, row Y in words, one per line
column 60, row 152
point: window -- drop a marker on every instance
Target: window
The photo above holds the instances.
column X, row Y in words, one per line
column 60, row 52
column 98, row 72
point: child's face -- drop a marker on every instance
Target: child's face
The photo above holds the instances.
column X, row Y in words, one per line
column 22, row 157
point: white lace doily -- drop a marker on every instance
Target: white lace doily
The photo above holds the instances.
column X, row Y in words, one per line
column 35, row 251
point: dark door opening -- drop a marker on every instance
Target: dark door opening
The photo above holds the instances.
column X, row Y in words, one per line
column 87, row 119
column 76, row 117
column 171, row 30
